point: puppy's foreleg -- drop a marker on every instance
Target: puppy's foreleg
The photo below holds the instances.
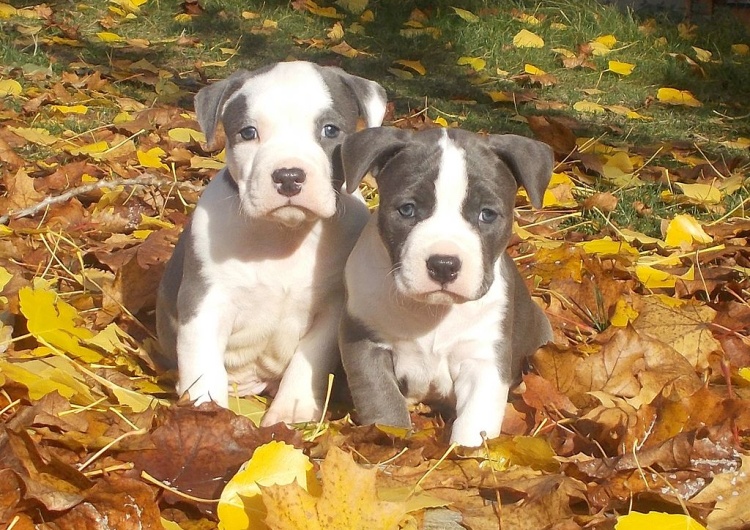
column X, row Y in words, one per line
column 372, row 379
column 201, row 341
column 481, row 396
column 302, row 390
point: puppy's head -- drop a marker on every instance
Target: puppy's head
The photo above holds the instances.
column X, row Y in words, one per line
column 446, row 203
column 282, row 124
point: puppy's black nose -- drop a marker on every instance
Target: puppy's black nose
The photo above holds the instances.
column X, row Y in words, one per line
column 442, row 268
column 289, row 180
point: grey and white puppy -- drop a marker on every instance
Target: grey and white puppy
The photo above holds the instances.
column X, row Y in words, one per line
column 436, row 309
column 253, row 294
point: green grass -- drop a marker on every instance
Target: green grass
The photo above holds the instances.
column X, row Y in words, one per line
column 448, row 90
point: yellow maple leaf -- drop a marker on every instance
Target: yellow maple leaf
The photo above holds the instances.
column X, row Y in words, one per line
column 53, row 322
column 527, row 39
column 356, row 7
column 348, row 500
column 152, row 158
column 564, row 52
column 275, row 463
column 740, row 49
column 672, row 96
column 477, row 63
column 662, row 521
column 684, row 229
column 621, row 68
column 506, row 451
column 343, row 48
column 623, row 314
column 598, row 49
column 527, row 19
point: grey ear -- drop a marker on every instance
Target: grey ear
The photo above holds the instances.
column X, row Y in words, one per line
column 209, row 101
column 371, row 97
column 369, row 150
column 530, row 161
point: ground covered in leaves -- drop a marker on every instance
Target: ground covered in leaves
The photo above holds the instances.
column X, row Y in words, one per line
column 637, row 416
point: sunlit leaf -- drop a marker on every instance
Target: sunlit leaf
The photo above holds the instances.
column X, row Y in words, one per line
column 654, row 278
column 607, row 247
column 683, row 229
column 108, row 36
column 184, row 134
column 533, row 70
column 152, row 158
column 527, row 39
column 672, row 96
column 53, row 321
column 607, row 40
column 75, row 109
column 662, row 521
column 623, row 314
column 621, row 68
column 241, row 505
column 701, row 193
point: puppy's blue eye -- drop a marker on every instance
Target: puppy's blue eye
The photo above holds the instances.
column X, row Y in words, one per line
column 407, row 210
column 487, row 215
column 330, row 131
column 249, row 133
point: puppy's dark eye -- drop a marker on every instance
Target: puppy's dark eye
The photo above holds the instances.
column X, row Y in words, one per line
column 330, row 131
column 487, row 215
column 407, row 210
column 249, row 133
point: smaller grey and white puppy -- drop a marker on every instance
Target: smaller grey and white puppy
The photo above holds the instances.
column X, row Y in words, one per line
column 253, row 293
column 436, row 309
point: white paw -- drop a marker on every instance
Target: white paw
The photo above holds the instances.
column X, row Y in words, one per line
column 294, row 412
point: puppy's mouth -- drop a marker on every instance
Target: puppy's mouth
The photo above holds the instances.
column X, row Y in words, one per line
column 441, row 296
column 292, row 216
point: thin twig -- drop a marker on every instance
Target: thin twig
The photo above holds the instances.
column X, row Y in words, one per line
column 143, row 180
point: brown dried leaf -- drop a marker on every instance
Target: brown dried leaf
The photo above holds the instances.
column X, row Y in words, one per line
column 685, row 327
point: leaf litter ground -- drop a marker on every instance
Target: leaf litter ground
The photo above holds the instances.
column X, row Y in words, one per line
column 637, row 416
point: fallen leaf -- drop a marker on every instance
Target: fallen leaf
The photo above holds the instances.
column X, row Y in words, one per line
column 527, row 39
column 416, row 66
column 686, row 328
column 348, row 500
column 620, row 68
column 672, row 96
column 662, row 521
column 684, row 229
column 468, row 16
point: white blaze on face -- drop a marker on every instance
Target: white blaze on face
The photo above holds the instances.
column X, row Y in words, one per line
column 445, row 232
column 284, row 105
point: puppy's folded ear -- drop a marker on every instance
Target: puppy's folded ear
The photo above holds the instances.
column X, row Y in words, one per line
column 530, row 161
column 209, row 102
column 370, row 96
column 369, row 150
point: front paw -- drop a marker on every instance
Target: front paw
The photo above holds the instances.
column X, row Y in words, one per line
column 468, row 435
column 290, row 412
